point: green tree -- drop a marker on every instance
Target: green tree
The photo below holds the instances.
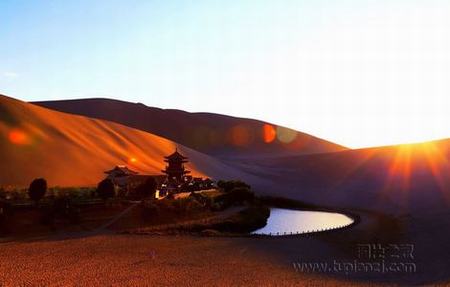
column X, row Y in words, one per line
column 241, row 194
column 228, row 186
column 37, row 189
column 105, row 189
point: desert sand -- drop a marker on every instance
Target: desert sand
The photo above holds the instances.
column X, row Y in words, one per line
column 394, row 179
column 213, row 134
column 70, row 150
column 409, row 184
column 75, row 150
column 130, row 260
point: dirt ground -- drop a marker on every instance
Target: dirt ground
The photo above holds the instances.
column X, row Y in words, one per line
column 126, row 260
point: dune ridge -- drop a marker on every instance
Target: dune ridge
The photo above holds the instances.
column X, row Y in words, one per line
column 214, row 134
column 397, row 179
column 72, row 150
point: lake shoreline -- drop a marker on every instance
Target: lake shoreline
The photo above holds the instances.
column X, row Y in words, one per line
column 292, row 204
column 225, row 227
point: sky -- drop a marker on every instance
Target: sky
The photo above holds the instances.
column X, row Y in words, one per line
column 356, row 72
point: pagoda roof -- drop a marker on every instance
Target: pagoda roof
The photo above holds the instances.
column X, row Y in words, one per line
column 171, row 170
column 176, row 156
column 122, row 169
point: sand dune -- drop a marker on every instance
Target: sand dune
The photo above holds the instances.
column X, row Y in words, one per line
column 213, row 134
column 75, row 150
column 394, row 178
column 410, row 182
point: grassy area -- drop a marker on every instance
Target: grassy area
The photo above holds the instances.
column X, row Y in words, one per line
column 241, row 222
column 211, row 193
column 62, row 207
column 19, row 196
column 246, row 221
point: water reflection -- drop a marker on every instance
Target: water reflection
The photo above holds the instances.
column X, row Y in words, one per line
column 286, row 221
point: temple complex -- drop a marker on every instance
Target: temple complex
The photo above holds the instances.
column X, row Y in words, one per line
column 175, row 169
column 175, row 178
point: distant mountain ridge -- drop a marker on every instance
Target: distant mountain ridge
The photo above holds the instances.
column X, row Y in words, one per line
column 213, row 134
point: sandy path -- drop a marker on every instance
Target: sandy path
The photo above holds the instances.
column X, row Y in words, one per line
column 126, row 260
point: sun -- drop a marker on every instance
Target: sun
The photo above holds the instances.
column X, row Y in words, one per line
column 410, row 160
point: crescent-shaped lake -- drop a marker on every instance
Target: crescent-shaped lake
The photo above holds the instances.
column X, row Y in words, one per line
column 288, row 221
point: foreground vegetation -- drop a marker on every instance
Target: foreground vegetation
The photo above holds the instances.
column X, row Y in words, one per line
column 245, row 221
column 251, row 216
column 49, row 209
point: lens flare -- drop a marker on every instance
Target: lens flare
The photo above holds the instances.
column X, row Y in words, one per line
column 214, row 138
column 18, row 137
column 198, row 136
column 355, row 167
column 269, row 133
column 401, row 166
column 438, row 165
column 285, row 135
column 240, row 136
column 412, row 160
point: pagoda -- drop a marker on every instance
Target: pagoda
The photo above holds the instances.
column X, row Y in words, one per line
column 175, row 166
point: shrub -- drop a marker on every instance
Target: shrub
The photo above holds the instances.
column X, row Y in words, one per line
column 241, row 194
column 245, row 221
column 228, row 186
column 37, row 189
column 74, row 193
column 237, row 195
column 106, row 189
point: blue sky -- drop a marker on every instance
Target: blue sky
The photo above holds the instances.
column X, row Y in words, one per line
column 360, row 73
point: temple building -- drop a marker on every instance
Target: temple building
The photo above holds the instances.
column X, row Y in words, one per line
column 175, row 167
column 175, row 178
column 120, row 172
column 127, row 180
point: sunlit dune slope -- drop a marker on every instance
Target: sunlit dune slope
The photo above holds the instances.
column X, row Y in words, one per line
column 396, row 178
column 214, row 134
column 74, row 150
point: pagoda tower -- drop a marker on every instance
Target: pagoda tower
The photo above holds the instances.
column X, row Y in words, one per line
column 175, row 166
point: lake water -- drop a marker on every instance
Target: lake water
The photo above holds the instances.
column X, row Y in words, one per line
column 289, row 221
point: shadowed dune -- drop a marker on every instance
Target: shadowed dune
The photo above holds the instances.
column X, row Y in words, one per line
column 394, row 178
column 407, row 184
column 213, row 134
column 74, row 150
